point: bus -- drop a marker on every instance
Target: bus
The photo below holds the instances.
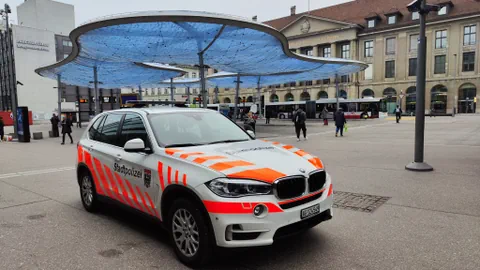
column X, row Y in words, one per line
column 367, row 107
column 223, row 108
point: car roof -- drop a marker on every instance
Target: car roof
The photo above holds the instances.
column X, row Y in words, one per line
column 161, row 110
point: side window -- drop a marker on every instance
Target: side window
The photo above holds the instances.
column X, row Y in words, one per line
column 109, row 129
column 133, row 128
column 94, row 129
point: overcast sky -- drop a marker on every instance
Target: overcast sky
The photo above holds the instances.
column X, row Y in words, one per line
column 265, row 9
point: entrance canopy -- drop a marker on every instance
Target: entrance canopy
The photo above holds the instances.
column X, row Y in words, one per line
column 115, row 45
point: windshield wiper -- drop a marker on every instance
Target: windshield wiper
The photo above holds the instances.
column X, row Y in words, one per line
column 182, row 145
column 228, row 141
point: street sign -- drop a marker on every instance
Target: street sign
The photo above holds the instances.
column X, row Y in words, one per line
column 401, row 96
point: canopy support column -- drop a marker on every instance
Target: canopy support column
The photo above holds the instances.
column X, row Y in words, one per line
column 95, row 84
column 216, row 95
column 237, row 93
column 259, row 102
column 59, row 88
column 337, row 90
column 188, row 94
column 171, row 90
column 203, row 89
column 140, row 92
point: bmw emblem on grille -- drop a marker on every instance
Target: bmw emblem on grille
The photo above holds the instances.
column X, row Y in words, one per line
column 302, row 170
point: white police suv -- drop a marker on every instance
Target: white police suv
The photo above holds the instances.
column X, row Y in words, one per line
column 207, row 180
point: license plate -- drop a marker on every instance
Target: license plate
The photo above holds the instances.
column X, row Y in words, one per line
column 310, row 211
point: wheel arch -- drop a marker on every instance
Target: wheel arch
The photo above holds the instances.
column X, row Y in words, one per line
column 82, row 168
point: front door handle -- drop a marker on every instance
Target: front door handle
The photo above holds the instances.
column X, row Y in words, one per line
column 118, row 158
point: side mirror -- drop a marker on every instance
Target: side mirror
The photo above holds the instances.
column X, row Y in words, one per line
column 134, row 145
column 251, row 133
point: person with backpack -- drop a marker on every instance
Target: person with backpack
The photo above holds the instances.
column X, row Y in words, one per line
column 398, row 113
column 340, row 121
column 299, row 118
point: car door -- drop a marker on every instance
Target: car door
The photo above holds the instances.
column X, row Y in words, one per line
column 105, row 151
column 140, row 167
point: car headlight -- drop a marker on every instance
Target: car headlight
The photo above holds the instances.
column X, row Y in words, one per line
column 234, row 188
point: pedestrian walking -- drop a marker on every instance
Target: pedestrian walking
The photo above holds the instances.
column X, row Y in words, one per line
column 267, row 117
column 299, row 118
column 67, row 129
column 398, row 113
column 340, row 121
column 2, row 132
column 55, row 121
column 325, row 116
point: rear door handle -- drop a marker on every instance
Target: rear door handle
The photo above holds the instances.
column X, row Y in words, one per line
column 118, row 158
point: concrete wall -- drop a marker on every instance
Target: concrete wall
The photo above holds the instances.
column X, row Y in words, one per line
column 34, row 48
column 47, row 15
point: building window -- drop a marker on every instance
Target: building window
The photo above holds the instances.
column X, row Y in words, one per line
column 369, row 48
column 369, row 72
column 65, row 55
column 443, row 11
column 414, row 42
column 309, row 83
column 391, row 45
column 415, row 15
column 327, row 52
column 307, row 51
column 345, row 79
column 67, row 43
column 412, row 67
column 194, row 75
column 441, row 39
column 345, row 51
column 371, row 23
column 468, row 61
column 469, row 35
column 392, row 19
column 390, row 69
column 440, row 61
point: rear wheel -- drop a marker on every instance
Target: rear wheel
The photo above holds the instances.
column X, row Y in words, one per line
column 88, row 192
column 189, row 233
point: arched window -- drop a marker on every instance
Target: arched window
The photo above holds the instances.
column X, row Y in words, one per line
column 305, row 96
column 368, row 93
column 227, row 100
column 289, row 97
column 322, row 94
column 342, row 94
column 411, row 99
column 438, row 99
column 273, row 98
column 466, row 96
column 390, row 93
column 249, row 99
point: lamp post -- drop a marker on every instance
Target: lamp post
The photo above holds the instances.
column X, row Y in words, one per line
column 418, row 164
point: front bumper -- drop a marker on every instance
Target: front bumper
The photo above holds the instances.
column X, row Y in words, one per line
column 236, row 226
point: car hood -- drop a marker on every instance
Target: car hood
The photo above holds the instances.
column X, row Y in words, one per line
column 256, row 159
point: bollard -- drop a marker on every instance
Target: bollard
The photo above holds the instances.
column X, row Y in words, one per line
column 37, row 135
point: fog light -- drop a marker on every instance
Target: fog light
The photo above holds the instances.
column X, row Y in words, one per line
column 260, row 210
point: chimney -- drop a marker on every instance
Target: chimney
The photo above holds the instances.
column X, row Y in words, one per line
column 254, row 18
column 293, row 10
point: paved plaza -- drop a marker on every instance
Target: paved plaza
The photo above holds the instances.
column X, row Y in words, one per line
column 385, row 217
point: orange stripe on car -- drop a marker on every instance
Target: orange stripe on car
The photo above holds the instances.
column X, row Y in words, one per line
column 151, row 204
column 143, row 200
column 88, row 160
column 287, row 147
column 316, row 162
column 330, row 190
column 124, row 190
column 184, row 179
column 171, row 151
column 275, row 143
column 237, row 207
column 186, row 155
column 105, row 184
column 113, row 184
column 80, row 154
column 265, row 174
column 301, row 153
column 221, row 166
column 302, row 198
column 134, row 196
column 160, row 175
column 176, row 177
column 201, row 160
column 169, row 172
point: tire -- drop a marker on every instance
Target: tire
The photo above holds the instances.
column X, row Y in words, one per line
column 89, row 198
column 281, row 116
column 205, row 242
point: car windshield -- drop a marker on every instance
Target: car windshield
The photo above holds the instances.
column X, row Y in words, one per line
column 183, row 129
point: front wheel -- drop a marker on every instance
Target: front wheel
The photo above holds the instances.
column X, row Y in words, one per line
column 88, row 192
column 190, row 234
